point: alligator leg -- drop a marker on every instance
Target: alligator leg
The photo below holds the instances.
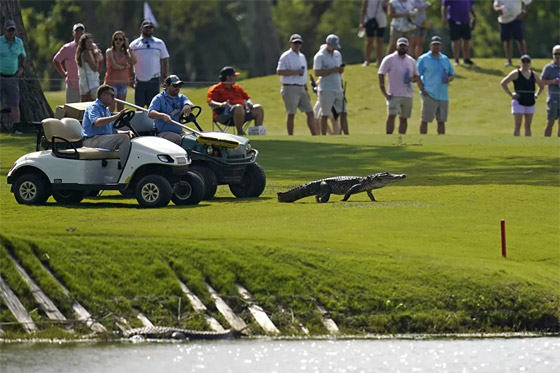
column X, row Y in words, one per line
column 353, row 189
column 324, row 193
column 370, row 195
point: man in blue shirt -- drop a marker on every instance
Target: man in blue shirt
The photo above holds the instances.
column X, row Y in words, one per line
column 168, row 106
column 12, row 57
column 97, row 126
column 435, row 72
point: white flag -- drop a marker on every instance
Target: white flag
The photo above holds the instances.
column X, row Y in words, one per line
column 149, row 15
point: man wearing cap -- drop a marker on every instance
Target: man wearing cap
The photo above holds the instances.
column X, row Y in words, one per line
column 169, row 106
column 327, row 64
column 228, row 96
column 12, row 57
column 97, row 126
column 292, row 68
column 435, row 72
column 152, row 63
column 551, row 77
column 64, row 62
column 401, row 72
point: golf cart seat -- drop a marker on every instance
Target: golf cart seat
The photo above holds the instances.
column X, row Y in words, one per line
column 68, row 132
column 143, row 124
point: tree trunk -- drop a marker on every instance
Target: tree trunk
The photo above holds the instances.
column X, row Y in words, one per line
column 309, row 34
column 263, row 43
column 33, row 104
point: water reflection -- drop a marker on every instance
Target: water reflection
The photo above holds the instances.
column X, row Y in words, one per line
column 480, row 355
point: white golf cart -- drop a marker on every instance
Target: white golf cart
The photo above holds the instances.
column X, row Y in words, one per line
column 156, row 169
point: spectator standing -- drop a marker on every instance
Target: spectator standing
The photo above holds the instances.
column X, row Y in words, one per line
column 64, row 61
column 152, row 63
column 12, row 57
column 120, row 59
column 457, row 14
column 422, row 25
column 318, row 113
column 169, row 106
column 292, row 68
column 402, row 12
column 97, row 126
column 231, row 102
column 435, row 72
column 551, row 77
column 327, row 64
column 511, row 25
column 401, row 72
column 523, row 98
column 88, row 58
column 373, row 21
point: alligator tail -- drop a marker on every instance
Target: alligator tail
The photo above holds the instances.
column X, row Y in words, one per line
column 296, row 193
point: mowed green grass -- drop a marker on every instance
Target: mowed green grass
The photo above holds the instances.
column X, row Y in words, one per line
column 425, row 258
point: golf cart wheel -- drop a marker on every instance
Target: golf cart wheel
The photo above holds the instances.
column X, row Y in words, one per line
column 209, row 179
column 69, row 197
column 31, row 189
column 252, row 184
column 153, row 191
column 189, row 191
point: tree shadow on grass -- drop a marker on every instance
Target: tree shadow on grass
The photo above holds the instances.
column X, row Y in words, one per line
column 311, row 161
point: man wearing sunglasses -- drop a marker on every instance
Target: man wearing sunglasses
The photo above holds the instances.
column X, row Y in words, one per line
column 551, row 77
column 12, row 57
column 169, row 106
column 292, row 68
column 152, row 63
column 97, row 126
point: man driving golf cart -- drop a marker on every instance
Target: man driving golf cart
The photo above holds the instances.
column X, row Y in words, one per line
column 169, row 106
column 97, row 126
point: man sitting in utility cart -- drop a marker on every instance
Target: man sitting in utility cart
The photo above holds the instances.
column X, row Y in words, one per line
column 169, row 106
column 97, row 126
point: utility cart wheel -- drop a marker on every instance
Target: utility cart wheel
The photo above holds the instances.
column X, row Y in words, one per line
column 153, row 191
column 31, row 189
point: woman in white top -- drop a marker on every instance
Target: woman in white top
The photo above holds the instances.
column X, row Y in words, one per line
column 88, row 58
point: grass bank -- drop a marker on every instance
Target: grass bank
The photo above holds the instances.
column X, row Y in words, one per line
column 424, row 258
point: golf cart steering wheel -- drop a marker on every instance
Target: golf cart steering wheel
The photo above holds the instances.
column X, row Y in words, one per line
column 124, row 121
column 195, row 112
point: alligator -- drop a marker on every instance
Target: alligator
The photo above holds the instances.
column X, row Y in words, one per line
column 345, row 185
column 165, row 332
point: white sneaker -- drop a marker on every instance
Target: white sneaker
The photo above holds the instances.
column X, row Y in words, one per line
column 18, row 132
column 365, row 64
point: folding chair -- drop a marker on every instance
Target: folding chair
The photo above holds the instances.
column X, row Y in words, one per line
column 224, row 127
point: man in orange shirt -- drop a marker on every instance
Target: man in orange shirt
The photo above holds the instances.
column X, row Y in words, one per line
column 228, row 100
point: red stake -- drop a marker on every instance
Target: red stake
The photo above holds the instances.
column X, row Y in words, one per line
column 503, row 226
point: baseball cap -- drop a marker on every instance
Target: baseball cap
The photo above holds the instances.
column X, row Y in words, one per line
column 525, row 57
column 77, row 26
column 173, row 80
column 435, row 40
column 402, row 41
column 9, row 24
column 295, row 37
column 333, row 41
column 147, row 23
column 227, row 71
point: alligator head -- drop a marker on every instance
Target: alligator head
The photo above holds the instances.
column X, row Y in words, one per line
column 384, row 178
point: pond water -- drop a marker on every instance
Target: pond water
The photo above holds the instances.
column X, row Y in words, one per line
column 266, row 355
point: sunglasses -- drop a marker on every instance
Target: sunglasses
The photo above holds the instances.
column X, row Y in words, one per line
column 556, row 54
column 148, row 27
column 526, row 61
column 11, row 29
column 177, row 85
column 297, row 42
column 118, row 39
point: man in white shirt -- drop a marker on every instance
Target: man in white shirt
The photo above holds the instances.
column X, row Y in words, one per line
column 151, row 66
column 511, row 25
column 401, row 72
column 327, row 64
column 292, row 68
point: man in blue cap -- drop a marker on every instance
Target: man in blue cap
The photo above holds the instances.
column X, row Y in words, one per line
column 12, row 57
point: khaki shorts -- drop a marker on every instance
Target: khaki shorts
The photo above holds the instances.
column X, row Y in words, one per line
column 296, row 97
column 329, row 99
column 401, row 106
column 431, row 108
